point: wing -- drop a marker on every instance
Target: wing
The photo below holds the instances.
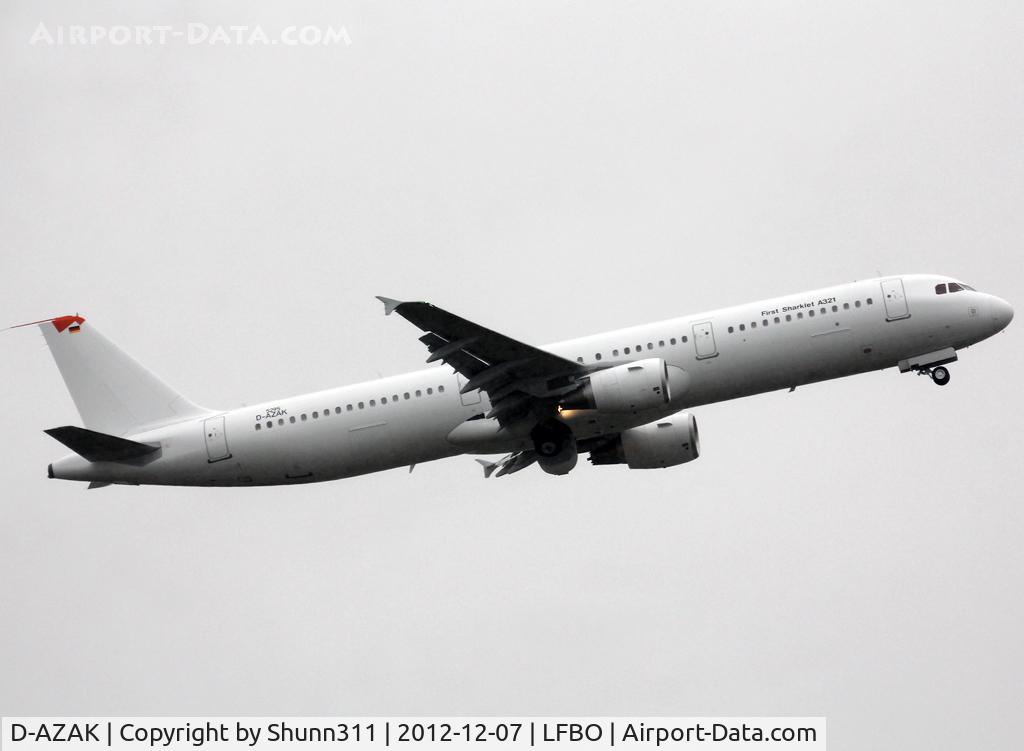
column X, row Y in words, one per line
column 522, row 459
column 508, row 464
column 518, row 378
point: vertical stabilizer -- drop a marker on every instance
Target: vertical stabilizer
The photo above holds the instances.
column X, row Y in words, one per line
column 113, row 392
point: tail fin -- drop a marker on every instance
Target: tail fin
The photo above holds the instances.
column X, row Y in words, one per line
column 114, row 393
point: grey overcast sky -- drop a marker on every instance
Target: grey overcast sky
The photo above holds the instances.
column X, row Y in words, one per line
column 227, row 214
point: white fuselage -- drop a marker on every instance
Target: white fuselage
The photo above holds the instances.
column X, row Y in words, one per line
column 406, row 419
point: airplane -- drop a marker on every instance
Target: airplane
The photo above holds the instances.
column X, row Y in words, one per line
column 619, row 397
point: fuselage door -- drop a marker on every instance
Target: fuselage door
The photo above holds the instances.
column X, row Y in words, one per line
column 216, row 439
column 895, row 300
column 470, row 397
column 704, row 340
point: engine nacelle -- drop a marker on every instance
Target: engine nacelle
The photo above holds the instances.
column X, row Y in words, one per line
column 665, row 443
column 632, row 387
column 555, row 446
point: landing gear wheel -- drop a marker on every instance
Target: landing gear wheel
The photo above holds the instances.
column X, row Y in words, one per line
column 940, row 375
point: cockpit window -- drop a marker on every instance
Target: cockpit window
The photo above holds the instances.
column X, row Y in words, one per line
column 941, row 289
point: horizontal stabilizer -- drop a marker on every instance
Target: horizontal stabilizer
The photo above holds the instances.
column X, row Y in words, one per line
column 99, row 447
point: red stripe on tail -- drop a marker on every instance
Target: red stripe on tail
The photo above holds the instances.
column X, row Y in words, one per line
column 64, row 321
column 60, row 322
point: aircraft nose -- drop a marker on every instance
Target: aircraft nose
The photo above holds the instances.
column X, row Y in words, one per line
column 1002, row 313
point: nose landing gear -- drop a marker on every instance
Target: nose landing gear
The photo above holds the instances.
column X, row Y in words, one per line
column 939, row 374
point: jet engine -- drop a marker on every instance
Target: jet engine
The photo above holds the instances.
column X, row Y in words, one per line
column 665, row 443
column 632, row 387
column 555, row 445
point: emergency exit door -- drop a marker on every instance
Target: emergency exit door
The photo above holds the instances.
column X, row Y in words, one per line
column 470, row 397
column 216, row 439
column 704, row 340
column 895, row 300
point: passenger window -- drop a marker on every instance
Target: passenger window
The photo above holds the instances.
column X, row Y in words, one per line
column 788, row 317
column 672, row 341
column 373, row 402
column 315, row 414
column 348, row 407
column 799, row 315
column 440, row 389
column 685, row 340
column 280, row 421
column 361, row 405
column 730, row 329
column 383, row 400
column 870, row 301
column 337, row 410
column 579, row 359
column 406, row 395
column 764, row 322
column 743, row 327
column 810, row 313
column 835, row 308
column 270, row 425
column 430, row 391
column 824, row 311
column 650, row 345
column 615, row 353
column 303, row 417
column 625, row 351
column 597, row 356
column 846, row 306
column 661, row 342
column 259, row 426
column 418, row 393
column 776, row 319
column 856, row 303
column 753, row 324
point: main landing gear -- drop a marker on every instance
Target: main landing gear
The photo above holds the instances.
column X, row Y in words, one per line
column 939, row 374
